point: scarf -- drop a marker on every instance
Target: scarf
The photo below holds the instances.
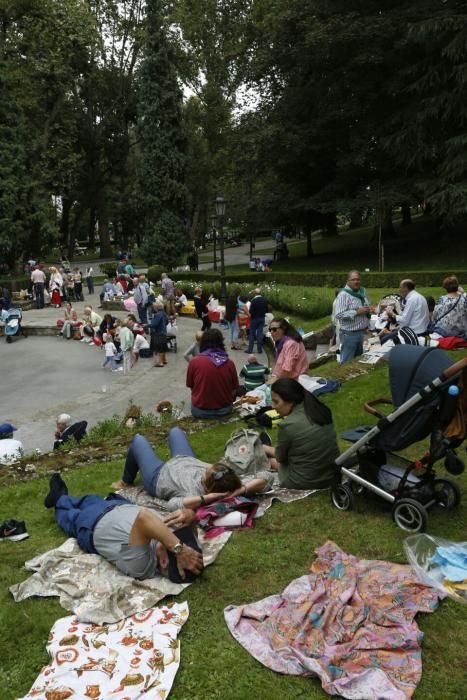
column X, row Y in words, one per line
column 280, row 344
column 361, row 294
column 217, row 357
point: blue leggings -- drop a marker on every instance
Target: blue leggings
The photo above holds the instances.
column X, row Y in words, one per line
column 141, row 457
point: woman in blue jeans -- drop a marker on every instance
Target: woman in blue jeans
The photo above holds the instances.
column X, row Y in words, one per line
column 184, row 481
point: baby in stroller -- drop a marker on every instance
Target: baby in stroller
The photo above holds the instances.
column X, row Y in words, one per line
column 171, row 331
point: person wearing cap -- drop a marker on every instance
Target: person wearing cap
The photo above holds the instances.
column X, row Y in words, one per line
column 10, row 449
column 131, row 537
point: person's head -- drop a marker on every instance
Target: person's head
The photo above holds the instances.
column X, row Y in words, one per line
column 142, row 278
column 108, row 319
column 197, row 291
column 157, row 306
column 251, row 359
column 287, row 393
column 164, row 276
column 76, row 269
column 63, row 422
column 68, row 306
column 256, row 291
column 132, row 318
column 6, row 431
column 52, row 270
column 123, row 323
column 107, row 338
column 74, row 315
column 177, row 292
column 353, row 280
column 87, row 309
column 451, row 284
column 219, row 478
column 406, row 286
column 212, row 340
column 280, row 327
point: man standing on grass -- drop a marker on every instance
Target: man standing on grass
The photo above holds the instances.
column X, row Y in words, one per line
column 258, row 309
column 352, row 312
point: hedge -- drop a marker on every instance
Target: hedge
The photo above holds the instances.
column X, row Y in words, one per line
column 14, row 284
column 423, row 278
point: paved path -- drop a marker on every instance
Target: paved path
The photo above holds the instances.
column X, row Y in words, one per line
column 45, row 376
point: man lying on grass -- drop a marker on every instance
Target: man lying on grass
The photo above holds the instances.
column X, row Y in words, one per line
column 184, row 481
column 131, row 537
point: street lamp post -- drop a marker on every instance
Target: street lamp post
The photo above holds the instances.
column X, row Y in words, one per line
column 220, row 211
column 214, row 235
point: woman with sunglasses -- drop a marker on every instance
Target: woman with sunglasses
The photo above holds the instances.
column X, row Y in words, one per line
column 291, row 358
column 306, row 446
column 184, row 481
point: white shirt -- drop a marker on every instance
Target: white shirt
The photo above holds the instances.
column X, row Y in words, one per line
column 110, row 350
column 415, row 314
column 10, row 450
column 37, row 276
column 140, row 343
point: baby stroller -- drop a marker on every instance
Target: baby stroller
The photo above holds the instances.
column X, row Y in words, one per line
column 171, row 331
column 13, row 326
column 424, row 404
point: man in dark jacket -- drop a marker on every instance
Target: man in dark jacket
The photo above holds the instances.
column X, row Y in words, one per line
column 258, row 310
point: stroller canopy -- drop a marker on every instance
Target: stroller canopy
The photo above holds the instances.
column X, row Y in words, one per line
column 412, row 367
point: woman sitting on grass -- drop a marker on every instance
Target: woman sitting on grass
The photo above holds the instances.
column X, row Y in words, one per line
column 306, row 441
column 184, row 481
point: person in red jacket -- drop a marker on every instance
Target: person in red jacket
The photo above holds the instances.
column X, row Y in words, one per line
column 212, row 378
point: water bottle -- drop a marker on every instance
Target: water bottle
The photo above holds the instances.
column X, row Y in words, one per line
column 448, row 405
column 268, row 395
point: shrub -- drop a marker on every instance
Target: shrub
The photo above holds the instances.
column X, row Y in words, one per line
column 14, row 284
column 109, row 269
column 422, row 278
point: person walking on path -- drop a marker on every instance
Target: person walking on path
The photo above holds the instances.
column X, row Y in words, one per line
column 90, row 279
column 140, row 296
column 353, row 312
column 259, row 307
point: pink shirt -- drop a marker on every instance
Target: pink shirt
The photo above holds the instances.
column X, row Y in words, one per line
column 37, row 276
column 292, row 359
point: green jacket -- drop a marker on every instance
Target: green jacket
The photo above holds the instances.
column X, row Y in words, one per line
column 305, row 452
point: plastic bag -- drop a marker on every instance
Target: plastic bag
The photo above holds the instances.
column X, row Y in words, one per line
column 433, row 557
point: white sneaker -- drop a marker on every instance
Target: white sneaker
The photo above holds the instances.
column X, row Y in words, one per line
column 118, row 369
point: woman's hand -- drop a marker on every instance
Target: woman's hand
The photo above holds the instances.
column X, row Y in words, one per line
column 189, row 559
column 180, row 517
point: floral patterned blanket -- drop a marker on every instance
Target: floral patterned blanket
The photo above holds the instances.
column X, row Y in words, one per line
column 137, row 657
column 350, row 621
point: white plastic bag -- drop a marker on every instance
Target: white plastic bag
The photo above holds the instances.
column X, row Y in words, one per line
column 423, row 553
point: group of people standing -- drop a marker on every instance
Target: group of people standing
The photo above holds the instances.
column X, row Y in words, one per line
column 61, row 287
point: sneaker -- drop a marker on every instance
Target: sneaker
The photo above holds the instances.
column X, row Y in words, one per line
column 57, row 488
column 265, row 438
column 14, row 530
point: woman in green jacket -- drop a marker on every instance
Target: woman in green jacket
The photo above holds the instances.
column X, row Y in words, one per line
column 306, row 447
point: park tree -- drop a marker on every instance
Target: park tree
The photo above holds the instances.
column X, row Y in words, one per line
column 162, row 145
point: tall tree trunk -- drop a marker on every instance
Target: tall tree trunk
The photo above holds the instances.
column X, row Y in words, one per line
column 406, row 215
column 330, row 224
column 65, row 223
column 104, row 233
column 384, row 219
column 92, row 228
column 309, row 246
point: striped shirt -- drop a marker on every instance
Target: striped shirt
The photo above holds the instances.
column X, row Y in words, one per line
column 254, row 375
column 346, row 312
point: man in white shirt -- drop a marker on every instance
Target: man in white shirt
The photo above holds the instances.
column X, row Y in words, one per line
column 38, row 279
column 10, row 449
column 415, row 314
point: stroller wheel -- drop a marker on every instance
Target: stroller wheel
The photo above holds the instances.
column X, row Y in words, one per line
column 409, row 515
column 8, row 339
column 342, row 497
column 447, row 493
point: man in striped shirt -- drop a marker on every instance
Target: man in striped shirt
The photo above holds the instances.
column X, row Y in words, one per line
column 352, row 312
column 254, row 373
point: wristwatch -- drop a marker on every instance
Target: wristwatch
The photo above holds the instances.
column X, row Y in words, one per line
column 177, row 548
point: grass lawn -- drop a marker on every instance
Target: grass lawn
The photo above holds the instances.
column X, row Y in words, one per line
column 254, row 564
column 415, row 247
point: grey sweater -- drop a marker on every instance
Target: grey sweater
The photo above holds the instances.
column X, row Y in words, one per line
column 181, row 477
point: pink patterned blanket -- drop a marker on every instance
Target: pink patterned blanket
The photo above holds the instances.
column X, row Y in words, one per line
column 350, row 622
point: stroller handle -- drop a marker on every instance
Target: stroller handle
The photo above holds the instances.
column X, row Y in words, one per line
column 454, row 369
column 369, row 406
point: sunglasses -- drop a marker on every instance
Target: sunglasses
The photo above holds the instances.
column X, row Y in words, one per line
column 220, row 475
column 274, row 328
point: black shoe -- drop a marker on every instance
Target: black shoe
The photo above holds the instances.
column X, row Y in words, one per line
column 57, row 488
column 265, row 438
column 13, row 530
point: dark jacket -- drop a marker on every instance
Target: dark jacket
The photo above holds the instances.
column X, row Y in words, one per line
column 159, row 323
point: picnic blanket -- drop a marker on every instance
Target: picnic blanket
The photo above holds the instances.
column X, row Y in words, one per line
column 350, row 622
column 95, row 590
column 136, row 656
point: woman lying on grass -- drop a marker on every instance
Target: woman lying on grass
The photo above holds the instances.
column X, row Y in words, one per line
column 306, row 441
column 184, row 481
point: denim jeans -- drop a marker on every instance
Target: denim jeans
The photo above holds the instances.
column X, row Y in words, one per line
column 256, row 333
column 39, row 290
column 233, row 329
column 142, row 458
column 110, row 359
column 142, row 313
column 210, row 412
column 351, row 345
column 77, row 516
